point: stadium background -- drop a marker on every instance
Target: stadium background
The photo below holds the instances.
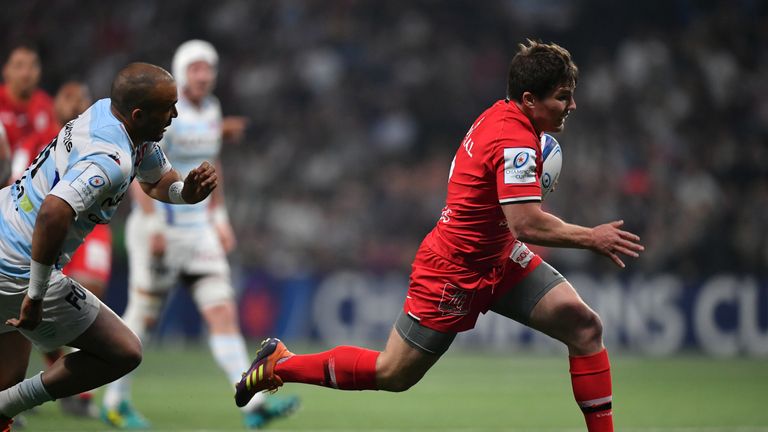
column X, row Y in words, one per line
column 356, row 109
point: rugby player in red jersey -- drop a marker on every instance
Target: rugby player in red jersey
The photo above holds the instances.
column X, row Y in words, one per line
column 474, row 260
column 25, row 110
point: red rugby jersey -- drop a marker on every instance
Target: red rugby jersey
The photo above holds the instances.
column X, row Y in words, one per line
column 23, row 120
column 498, row 162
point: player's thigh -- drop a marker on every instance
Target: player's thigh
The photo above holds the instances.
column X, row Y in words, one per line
column 563, row 315
column 15, row 358
column 68, row 311
column 522, row 290
column 109, row 338
column 199, row 251
column 146, row 272
column 401, row 364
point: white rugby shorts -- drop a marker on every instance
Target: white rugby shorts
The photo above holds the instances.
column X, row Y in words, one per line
column 68, row 310
column 195, row 252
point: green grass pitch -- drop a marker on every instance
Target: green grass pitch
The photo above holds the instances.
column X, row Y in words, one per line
column 183, row 390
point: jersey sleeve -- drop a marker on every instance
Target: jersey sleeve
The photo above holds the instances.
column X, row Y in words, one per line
column 88, row 182
column 515, row 161
column 154, row 165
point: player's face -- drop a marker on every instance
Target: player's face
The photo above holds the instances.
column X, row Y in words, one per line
column 156, row 118
column 22, row 72
column 549, row 113
column 200, row 79
column 71, row 100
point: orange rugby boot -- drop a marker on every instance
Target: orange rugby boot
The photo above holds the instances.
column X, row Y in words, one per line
column 261, row 375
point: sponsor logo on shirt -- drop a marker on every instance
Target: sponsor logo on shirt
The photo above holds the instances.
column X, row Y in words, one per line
column 521, row 254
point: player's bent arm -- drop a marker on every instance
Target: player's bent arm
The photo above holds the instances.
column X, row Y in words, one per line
column 160, row 189
column 529, row 223
column 198, row 184
column 51, row 228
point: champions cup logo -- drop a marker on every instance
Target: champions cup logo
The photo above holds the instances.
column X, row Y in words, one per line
column 519, row 165
column 521, row 159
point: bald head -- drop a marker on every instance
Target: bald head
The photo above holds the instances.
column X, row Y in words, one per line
column 136, row 85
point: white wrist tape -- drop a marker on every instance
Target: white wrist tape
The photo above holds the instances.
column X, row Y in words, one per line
column 39, row 276
column 174, row 193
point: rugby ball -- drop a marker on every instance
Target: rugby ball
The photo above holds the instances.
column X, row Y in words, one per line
column 552, row 156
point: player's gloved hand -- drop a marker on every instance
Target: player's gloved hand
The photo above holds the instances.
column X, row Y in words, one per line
column 609, row 240
column 30, row 315
column 200, row 182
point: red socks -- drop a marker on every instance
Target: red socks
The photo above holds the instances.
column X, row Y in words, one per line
column 591, row 379
column 344, row 367
column 353, row 368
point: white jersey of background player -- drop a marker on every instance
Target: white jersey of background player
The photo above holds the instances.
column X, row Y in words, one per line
column 170, row 244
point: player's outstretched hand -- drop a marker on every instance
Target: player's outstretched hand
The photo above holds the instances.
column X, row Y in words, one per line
column 200, row 182
column 30, row 315
column 611, row 241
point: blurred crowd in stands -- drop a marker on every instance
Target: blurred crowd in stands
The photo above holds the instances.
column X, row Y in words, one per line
column 357, row 107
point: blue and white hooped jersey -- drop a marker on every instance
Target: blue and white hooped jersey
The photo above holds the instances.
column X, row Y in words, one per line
column 193, row 138
column 89, row 165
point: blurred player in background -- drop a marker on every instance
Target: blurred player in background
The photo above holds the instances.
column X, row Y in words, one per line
column 72, row 185
column 25, row 110
column 474, row 260
column 169, row 244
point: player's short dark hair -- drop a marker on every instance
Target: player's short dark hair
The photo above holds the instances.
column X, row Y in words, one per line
column 22, row 45
column 133, row 85
column 540, row 68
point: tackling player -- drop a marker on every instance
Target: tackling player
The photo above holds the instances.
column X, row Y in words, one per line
column 76, row 182
column 91, row 263
column 474, row 260
column 167, row 244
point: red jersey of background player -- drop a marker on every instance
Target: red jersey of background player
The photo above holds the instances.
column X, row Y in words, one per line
column 499, row 161
column 28, row 120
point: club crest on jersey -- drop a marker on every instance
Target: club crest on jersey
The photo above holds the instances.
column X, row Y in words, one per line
column 519, row 165
column 96, row 181
column 455, row 301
